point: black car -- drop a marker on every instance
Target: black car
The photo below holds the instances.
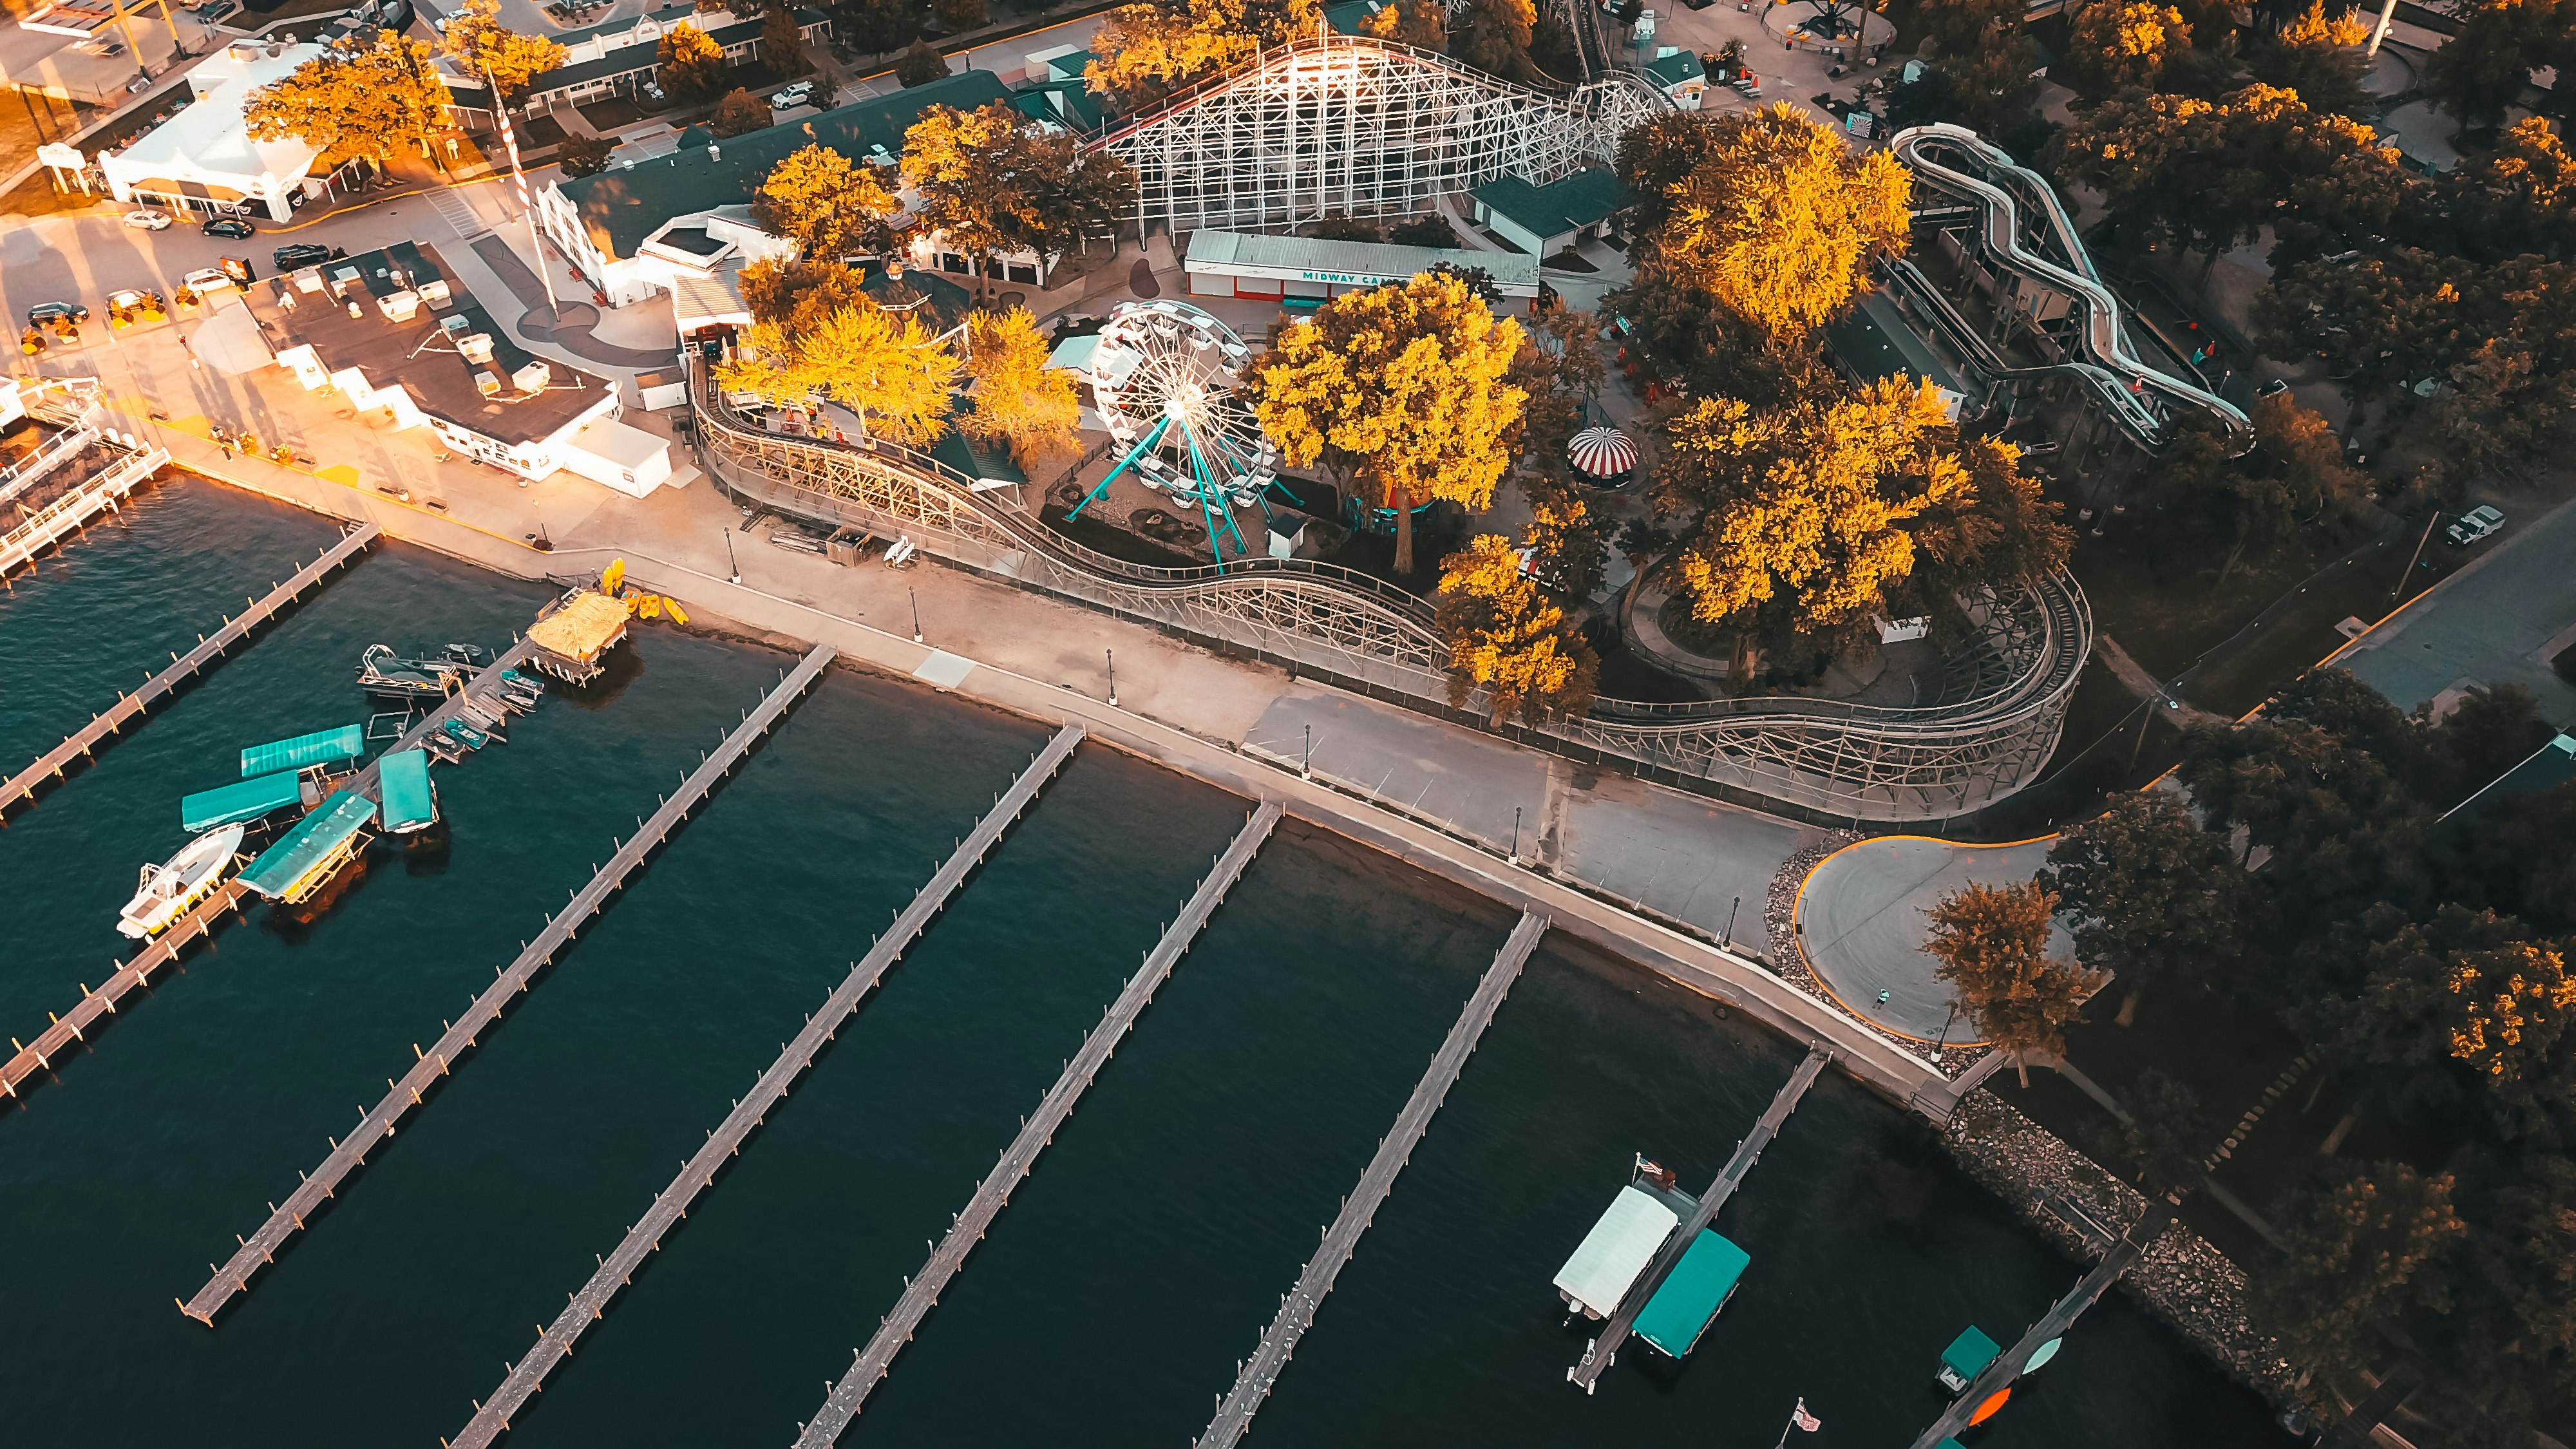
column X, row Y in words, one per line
column 44, row 312
column 305, row 254
column 227, row 226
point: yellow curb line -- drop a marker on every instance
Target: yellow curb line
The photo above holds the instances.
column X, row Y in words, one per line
column 1797, row 939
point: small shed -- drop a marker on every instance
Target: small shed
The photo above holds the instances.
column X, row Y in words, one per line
column 1967, row 1357
column 1545, row 220
column 575, row 632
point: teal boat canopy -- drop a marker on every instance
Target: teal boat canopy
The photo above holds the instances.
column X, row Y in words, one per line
column 323, row 747
column 1969, row 1353
column 284, row 867
column 231, row 804
column 1681, row 1310
column 409, row 805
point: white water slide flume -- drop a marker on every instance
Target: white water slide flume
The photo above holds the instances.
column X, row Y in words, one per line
column 2015, row 202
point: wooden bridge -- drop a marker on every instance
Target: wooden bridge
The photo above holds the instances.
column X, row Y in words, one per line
column 1296, row 1314
column 492, row 1418
column 54, row 763
column 348, row 1154
column 164, row 949
column 1597, row 1356
column 921, row 1291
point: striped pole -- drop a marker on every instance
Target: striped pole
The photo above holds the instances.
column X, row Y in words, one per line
column 519, row 179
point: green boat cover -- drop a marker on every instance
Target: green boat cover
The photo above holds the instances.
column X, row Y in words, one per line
column 1969, row 1353
column 408, row 803
column 1680, row 1311
column 283, row 865
column 231, row 804
column 322, row 747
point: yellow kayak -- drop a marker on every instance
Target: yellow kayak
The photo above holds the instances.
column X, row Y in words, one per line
column 614, row 575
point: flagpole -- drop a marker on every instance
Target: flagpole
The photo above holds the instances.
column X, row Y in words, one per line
column 1785, row 1428
column 519, row 173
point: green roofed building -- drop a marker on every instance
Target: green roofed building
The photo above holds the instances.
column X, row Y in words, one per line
column 1875, row 341
column 322, row 747
column 1545, row 220
column 243, row 800
column 1693, row 1292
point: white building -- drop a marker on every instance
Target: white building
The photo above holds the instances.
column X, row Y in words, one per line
column 394, row 330
column 1247, row 264
column 202, row 160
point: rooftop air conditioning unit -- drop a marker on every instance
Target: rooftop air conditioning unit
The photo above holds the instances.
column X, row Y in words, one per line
column 400, row 306
column 532, row 378
column 309, row 280
column 356, row 312
column 477, row 346
column 436, row 294
column 488, row 384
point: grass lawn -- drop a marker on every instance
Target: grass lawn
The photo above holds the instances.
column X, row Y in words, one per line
column 613, row 114
column 36, row 196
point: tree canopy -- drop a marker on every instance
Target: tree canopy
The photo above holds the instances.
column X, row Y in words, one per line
column 1144, row 52
column 830, row 208
column 2319, row 56
column 2154, row 898
column 691, row 64
column 476, row 39
column 1406, row 384
column 1018, row 399
column 919, row 65
column 885, row 366
column 990, row 182
column 2120, row 45
column 739, row 114
column 1991, row 944
column 355, row 99
column 1508, row 638
column 782, row 40
column 2480, row 72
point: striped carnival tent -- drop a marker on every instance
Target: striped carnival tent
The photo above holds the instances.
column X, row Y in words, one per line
column 1603, row 453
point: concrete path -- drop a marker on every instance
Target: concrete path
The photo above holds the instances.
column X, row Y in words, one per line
column 1860, row 917
column 569, row 325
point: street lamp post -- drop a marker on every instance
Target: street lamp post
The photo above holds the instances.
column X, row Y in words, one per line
column 910, row 593
column 1728, row 940
column 1113, row 676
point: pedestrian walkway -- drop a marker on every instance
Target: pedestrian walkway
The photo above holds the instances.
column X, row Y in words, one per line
column 564, row 322
column 1860, row 919
column 459, row 213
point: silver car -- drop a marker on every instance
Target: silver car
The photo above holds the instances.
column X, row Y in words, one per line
column 2480, row 522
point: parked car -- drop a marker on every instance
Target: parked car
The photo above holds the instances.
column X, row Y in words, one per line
column 2273, row 388
column 2480, row 522
column 229, row 226
column 209, row 279
column 48, row 312
column 795, row 95
column 304, row 254
column 148, row 220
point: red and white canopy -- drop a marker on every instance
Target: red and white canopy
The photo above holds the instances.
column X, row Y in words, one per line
column 1602, row 452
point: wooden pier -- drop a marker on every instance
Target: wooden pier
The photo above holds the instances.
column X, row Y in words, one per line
column 492, row 1417
column 1252, row 1384
column 2008, row 1365
column 921, row 1291
column 350, row 1152
column 1597, row 1356
column 32, row 533
column 164, row 949
column 53, row 764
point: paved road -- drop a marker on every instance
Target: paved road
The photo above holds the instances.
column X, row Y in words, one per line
column 1862, row 918
column 2498, row 621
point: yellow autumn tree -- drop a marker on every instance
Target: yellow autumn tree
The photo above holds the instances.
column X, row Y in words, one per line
column 1779, row 220
column 885, row 366
column 1147, row 51
column 1507, row 637
column 2511, row 1005
column 1801, row 520
column 1990, row 943
column 2118, row 44
column 816, row 198
column 1404, row 386
column 476, row 39
column 1018, row 399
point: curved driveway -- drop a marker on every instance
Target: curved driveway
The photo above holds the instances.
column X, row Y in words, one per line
column 1860, row 917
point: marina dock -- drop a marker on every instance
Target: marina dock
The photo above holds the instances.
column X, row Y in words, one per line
column 1252, row 1384
column 349, row 1153
column 921, row 1291
column 1597, row 1357
column 492, row 1417
column 53, row 764
column 2007, row 1366
column 162, row 950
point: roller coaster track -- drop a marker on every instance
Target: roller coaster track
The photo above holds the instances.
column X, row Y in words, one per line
column 1829, row 759
column 2023, row 228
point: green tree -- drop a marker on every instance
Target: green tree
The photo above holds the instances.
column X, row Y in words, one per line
column 799, row 296
column 476, row 39
column 2481, row 72
column 959, row 16
column 919, row 65
column 1986, row 61
column 2154, row 899
column 1508, row 638
column 584, row 155
column 1404, row 384
column 690, row 63
column 739, row 114
column 2318, row 56
column 1569, row 542
column 1781, row 219
column 2166, row 1136
column 2119, row 45
column 354, row 100
column 1423, row 231
column 817, row 199
column 782, row 40
column 1341, row 226
column 2510, row 405
column 1019, row 400
column 2367, row 1249
column 2516, row 200
column 2379, row 322
column 1147, row 51
column 1494, row 36
column 1990, row 943
column 884, row 366
column 990, row 182
column 2491, row 730
column 878, row 26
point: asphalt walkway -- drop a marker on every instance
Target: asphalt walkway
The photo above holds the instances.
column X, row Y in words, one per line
column 1860, row 917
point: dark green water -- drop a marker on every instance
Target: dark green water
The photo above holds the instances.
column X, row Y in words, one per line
column 1132, row 1270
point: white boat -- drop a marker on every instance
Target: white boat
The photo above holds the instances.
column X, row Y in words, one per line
column 169, row 891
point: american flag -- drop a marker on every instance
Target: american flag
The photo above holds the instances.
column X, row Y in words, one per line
column 1804, row 1420
column 509, row 138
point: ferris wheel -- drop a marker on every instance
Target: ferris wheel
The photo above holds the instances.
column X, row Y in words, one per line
column 1167, row 381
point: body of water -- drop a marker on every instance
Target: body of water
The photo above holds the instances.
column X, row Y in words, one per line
column 1133, row 1269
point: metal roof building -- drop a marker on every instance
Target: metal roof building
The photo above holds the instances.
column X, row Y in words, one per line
column 1246, row 264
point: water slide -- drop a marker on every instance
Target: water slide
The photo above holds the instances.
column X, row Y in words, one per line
column 2027, row 232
